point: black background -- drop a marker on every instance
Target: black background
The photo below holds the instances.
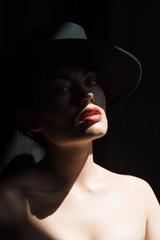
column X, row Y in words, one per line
column 132, row 143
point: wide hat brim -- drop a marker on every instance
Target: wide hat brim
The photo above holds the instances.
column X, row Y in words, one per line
column 120, row 72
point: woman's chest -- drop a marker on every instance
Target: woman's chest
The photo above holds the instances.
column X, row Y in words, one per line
column 94, row 220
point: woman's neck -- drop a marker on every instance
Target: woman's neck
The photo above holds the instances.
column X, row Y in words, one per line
column 70, row 163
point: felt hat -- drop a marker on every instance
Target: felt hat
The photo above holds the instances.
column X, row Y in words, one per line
column 66, row 43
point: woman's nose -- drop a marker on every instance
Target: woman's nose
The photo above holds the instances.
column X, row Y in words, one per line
column 88, row 98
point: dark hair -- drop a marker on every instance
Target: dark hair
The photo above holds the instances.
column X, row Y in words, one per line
column 25, row 86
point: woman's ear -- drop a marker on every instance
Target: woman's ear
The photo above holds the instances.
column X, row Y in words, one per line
column 27, row 119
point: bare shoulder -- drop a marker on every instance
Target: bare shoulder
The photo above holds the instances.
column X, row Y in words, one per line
column 139, row 199
column 135, row 183
column 139, row 186
column 131, row 185
column 18, row 181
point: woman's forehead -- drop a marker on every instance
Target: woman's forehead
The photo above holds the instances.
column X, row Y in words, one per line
column 60, row 71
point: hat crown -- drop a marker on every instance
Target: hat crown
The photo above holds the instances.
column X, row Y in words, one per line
column 68, row 30
column 53, row 31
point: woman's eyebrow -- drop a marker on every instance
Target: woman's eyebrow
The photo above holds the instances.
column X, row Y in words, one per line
column 88, row 70
column 56, row 76
column 66, row 76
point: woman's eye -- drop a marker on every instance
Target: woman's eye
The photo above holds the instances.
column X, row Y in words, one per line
column 61, row 90
column 91, row 82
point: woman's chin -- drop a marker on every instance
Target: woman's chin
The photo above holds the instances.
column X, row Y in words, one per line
column 97, row 130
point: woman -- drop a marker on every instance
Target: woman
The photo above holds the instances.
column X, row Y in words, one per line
column 65, row 85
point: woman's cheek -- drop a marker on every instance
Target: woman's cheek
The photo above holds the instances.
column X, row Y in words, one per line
column 100, row 99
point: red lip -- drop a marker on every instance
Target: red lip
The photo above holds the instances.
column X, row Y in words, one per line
column 91, row 114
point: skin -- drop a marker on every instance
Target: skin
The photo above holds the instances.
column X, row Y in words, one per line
column 68, row 196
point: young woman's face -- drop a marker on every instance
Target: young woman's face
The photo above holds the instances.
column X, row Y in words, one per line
column 72, row 106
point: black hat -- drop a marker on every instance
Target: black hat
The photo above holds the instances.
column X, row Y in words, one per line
column 66, row 43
